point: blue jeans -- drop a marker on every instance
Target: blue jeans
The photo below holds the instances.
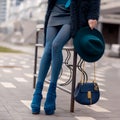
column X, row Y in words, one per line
column 56, row 38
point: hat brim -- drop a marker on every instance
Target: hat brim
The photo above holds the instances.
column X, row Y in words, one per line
column 79, row 35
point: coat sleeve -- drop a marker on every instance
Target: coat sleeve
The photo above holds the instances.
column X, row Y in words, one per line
column 46, row 20
column 45, row 25
column 94, row 9
column 51, row 4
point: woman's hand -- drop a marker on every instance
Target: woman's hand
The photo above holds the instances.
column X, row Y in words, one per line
column 92, row 23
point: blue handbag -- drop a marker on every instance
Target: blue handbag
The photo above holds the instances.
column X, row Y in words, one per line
column 87, row 93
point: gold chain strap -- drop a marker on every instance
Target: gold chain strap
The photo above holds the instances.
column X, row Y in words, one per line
column 94, row 73
column 83, row 66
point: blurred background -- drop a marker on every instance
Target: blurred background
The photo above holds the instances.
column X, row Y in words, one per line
column 18, row 20
column 19, row 56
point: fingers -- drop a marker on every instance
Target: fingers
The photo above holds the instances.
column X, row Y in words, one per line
column 92, row 23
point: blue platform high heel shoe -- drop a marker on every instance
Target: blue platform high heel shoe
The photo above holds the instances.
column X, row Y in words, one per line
column 50, row 103
column 36, row 103
column 37, row 97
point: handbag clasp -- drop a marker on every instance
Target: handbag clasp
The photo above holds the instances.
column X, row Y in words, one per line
column 89, row 94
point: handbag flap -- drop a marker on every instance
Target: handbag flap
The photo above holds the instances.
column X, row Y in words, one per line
column 85, row 87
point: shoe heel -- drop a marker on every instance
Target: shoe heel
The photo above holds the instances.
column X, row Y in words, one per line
column 49, row 112
column 35, row 111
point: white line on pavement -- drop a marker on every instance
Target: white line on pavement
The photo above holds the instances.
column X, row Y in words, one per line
column 28, row 75
column 103, row 98
column 23, row 62
column 102, row 90
column 7, row 71
column 98, row 79
column 17, row 68
column 8, row 85
column 84, row 118
column 104, row 68
column 100, row 72
column 100, row 84
column 20, row 79
column 26, row 66
column 98, row 75
column 97, row 108
column 11, row 63
column 27, row 103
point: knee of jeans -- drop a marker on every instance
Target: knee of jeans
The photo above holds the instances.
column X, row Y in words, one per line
column 47, row 50
column 55, row 46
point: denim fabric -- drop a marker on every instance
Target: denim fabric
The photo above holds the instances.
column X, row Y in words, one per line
column 56, row 38
column 50, row 103
column 36, row 101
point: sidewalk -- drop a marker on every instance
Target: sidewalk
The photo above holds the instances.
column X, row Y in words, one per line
column 16, row 92
column 16, row 89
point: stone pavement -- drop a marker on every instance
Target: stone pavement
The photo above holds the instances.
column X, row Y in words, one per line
column 16, row 81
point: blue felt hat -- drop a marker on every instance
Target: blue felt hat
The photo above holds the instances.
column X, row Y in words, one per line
column 89, row 44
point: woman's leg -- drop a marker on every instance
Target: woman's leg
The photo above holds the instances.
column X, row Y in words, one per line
column 44, row 67
column 60, row 40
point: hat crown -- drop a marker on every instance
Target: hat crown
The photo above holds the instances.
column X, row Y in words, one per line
column 89, row 44
column 93, row 43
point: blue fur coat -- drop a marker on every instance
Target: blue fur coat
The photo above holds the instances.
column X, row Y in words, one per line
column 80, row 10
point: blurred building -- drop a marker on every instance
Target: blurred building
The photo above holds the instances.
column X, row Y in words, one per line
column 28, row 9
column 110, row 23
column 21, row 19
column 15, row 2
column 3, row 10
column 26, row 14
column 5, row 7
